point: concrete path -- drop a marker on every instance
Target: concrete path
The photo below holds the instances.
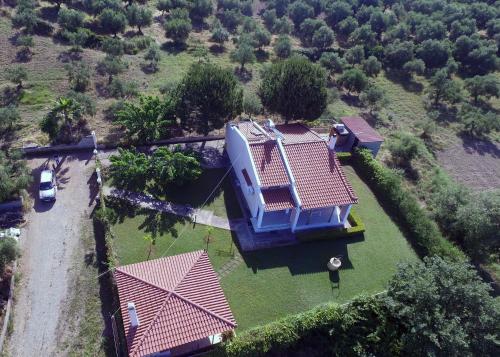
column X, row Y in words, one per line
column 201, row 216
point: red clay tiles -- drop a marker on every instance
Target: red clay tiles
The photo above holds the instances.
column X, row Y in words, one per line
column 270, row 166
column 178, row 300
column 318, row 176
column 277, row 199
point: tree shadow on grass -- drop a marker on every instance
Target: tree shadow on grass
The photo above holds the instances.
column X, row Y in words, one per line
column 173, row 48
column 217, row 49
column 409, row 84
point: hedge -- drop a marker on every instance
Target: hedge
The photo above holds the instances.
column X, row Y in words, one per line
column 361, row 327
column 357, row 227
column 403, row 205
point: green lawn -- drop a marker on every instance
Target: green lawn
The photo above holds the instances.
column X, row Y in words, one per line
column 270, row 284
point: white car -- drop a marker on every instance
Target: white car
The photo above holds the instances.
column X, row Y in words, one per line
column 48, row 186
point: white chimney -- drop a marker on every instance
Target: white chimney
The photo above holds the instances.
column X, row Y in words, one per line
column 269, row 124
column 333, row 139
column 132, row 313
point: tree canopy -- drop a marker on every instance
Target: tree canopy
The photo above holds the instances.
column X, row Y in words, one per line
column 294, row 88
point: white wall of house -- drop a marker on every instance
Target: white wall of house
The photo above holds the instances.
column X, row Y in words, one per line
column 240, row 155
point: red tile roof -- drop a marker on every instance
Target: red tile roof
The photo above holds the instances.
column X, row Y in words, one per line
column 178, row 300
column 270, row 166
column 319, row 178
column 277, row 199
column 361, row 129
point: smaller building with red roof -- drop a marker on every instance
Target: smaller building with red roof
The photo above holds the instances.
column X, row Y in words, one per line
column 289, row 176
column 172, row 306
column 361, row 134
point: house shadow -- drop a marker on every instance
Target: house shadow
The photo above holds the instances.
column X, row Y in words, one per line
column 302, row 258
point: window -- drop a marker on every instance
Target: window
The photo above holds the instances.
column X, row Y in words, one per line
column 247, row 177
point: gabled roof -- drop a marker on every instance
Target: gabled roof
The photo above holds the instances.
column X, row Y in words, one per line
column 269, row 165
column 178, row 300
column 319, row 178
column 361, row 129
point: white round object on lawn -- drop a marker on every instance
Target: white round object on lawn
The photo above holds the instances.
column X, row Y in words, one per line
column 334, row 264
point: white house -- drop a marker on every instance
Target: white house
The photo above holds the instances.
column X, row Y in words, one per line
column 290, row 176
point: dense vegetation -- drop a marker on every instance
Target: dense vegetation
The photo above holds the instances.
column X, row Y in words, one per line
column 434, row 307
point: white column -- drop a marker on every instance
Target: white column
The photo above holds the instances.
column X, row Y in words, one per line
column 295, row 218
column 344, row 219
column 261, row 215
column 335, row 215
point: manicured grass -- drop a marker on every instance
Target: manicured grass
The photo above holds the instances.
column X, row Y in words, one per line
column 273, row 283
column 174, row 237
column 277, row 282
column 221, row 196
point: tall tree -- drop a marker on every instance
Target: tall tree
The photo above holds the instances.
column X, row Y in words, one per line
column 139, row 16
column 445, row 309
column 208, row 96
column 294, row 88
column 113, row 21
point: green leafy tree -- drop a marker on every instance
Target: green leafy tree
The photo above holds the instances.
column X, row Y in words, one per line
column 78, row 75
column 347, row 26
column 17, row 75
column 337, row 11
column 148, row 120
column 26, row 42
column 476, row 122
column 323, row 38
column 113, row 21
column 363, row 35
column 372, row 66
column 219, row 33
column 9, row 116
column 129, row 169
column 416, row 66
column 77, row 39
column 299, row 11
column 332, row 62
column 208, row 96
column 462, row 27
column 308, row 28
column 139, row 16
column 153, row 56
column 434, row 53
column 355, row 55
column 281, row 7
column 476, row 55
column 178, row 26
column 353, row 80
column 113, row 47
column 243, row 54
column 373, row 97
column 404, row 147
column 174, row 167
column 9, row 251
column 430, row 30
column 261, row 37
column 283, row 26
column 483, row 86
column 283, row 47
column 26, row 16
column 58, row 123
column 252, row 104
column 396, row 54
column 294, row 88
column 443, row 88
column 231, row 19
column 69, row 19
column 200, row 10
column 14, row 174
column 112, row 66
column 269, row 18
column 445, row 308
column 164, row 6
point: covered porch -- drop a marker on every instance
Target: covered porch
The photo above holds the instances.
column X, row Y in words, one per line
column 335, row 216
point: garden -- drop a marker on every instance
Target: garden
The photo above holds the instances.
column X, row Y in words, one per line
column 296, row 276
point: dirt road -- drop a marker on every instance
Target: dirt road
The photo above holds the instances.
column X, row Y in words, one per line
column 50, row 251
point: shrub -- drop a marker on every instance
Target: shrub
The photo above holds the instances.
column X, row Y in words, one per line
column 353, row 80
column 372, row 66
column 9, row 116
column 112, row 21
column 78, row 75
column 8, row 252
column 389, row 189
column 357, row 227
column 283, row 47
column 178, row 27
column 14, row 174
column 70, row 19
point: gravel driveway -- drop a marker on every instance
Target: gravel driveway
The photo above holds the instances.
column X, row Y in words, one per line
column 50, row 246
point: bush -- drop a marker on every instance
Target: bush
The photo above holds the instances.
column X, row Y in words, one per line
column 283, row 47
column 403, row 205
column 14, row 174
column 78, row 75
column 8, row 252
column 330, row 330
column 9, row 116
column 70, row 19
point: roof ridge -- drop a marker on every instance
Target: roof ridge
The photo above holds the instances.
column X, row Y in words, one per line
column 142, row 280
column 145, row 334
column 192, row 302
